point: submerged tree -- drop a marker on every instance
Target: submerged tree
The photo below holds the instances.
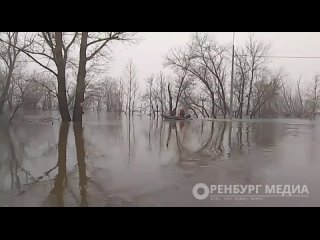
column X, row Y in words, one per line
column 314, row 96
column 131, row 86
column 207, row 61
column 10, row 56
column 93, row 47
column 256, row 53
column 50, row 51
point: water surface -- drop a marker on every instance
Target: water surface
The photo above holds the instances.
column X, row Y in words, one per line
column 113, row 161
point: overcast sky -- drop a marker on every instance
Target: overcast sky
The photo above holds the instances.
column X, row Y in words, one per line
column 148, row 54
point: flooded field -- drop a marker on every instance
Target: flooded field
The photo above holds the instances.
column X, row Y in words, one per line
column 114, row 161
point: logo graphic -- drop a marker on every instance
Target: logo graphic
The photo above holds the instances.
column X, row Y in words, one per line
column 204, row 194
column 202, row 191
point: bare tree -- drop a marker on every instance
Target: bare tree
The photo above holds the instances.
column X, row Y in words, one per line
column 292, row 102
column 179, row 61
column 135, row 88
column 301, row 105
column 93, row 47
column 180, row 85
column 265, row 91
column 107, row 94
column 170, row 101
column 241, row 81
column 314, row 95
column 10, row 56
column 256, row 52
column 207, row 61
column 160, row 91
column 19, row 94
column 211, row 56
column 50, row 51
column 148, row 97
column 182, row 82
column 130, row 77
column 195, row 100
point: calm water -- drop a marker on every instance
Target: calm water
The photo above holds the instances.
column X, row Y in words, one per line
column 109, row 162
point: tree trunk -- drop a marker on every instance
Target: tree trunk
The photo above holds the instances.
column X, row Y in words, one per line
column 250, row 92
column 242, row 97
column 161, row 100
column 4, row 94
column 80, row 148
column 223, row 99
column 59, row 182
column 80, row 89
column 150, row 100
column 212, row 105
column 62, row 91
column 170, row 99
column 49, row 100
column 195, row 113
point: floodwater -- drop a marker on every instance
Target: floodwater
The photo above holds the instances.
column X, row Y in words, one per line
column 113, row 161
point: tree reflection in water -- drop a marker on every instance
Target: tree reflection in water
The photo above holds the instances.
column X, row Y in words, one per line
column 61, row 178
column 60, row 181
column 155, row 148
column 83, row 180
column 210, row 149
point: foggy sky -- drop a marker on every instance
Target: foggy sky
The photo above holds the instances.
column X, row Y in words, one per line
column 148, row 54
